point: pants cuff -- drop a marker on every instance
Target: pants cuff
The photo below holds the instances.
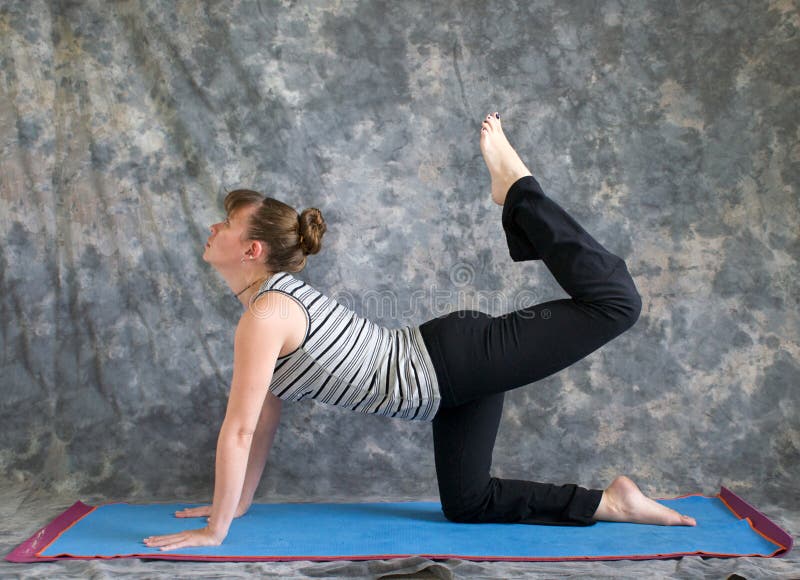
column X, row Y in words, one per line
column 584, row 505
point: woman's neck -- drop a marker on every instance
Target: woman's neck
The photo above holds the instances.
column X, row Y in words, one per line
column 249, row 289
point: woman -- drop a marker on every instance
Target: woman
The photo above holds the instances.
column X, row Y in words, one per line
column 452, row 371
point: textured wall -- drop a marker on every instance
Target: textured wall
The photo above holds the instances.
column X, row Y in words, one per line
column 669, row 130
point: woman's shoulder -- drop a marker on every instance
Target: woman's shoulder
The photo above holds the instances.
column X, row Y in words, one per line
column 285, row 281
column 282, row 289
column 274, row 315
column 276, row 310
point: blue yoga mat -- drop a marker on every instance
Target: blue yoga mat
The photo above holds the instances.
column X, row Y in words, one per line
column 383, row 530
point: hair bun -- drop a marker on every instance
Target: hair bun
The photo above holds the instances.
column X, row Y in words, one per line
column 312, row 227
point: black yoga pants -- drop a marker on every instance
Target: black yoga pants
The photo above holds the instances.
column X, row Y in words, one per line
column 477, row 357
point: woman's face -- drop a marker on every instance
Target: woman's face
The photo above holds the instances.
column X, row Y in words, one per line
column 226, row 245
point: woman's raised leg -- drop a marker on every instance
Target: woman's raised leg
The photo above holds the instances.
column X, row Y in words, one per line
column 489, row 355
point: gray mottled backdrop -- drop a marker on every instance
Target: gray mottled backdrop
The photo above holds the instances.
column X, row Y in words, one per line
column 669, row 130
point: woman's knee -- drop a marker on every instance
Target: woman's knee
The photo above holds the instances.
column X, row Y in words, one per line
column 461, row 514
column 632, row 307
column 622, row 313
column 626, row 305
column 455, row 506
column 468, row 505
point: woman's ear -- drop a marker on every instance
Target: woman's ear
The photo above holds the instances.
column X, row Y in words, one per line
column 258, row 250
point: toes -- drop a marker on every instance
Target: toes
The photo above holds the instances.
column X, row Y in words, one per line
column 490, row 123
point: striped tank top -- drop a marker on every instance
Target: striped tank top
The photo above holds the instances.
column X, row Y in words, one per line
column 351, row 362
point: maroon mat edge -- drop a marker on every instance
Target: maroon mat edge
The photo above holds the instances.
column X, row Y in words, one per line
column 359, row 558
column 761, row 523
column 26, row 551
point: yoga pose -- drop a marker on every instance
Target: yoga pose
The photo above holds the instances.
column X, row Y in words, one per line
column 293, row 342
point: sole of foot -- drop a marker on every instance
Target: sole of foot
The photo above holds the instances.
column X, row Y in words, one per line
column 505, row 166
column 623, row 501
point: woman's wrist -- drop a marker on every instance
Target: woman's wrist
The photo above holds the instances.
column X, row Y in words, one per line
column 217, row 532
column 243, row 507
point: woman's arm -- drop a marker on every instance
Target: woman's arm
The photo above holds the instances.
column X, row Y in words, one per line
column 259, row 451
column 259, row 338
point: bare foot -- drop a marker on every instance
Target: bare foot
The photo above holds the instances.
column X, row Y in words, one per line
column 504, row 164
column 623, row 501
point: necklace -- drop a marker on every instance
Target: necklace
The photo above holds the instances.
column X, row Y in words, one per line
column 240, row 293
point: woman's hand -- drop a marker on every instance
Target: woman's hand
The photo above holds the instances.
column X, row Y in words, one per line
column 202, row 537
column 186, row 539
column 204, row 511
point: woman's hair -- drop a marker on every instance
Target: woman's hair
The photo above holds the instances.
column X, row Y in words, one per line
column 289, row 236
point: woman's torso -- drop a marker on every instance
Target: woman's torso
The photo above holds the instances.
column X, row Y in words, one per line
column 337, row 357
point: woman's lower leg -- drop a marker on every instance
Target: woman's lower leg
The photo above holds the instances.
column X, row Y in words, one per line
column 538, row 228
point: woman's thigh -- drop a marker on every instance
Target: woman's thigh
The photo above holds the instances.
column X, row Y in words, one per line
column 484, row 354
column 463, row 441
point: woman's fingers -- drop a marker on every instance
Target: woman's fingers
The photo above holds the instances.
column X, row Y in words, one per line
column 185, row 539
column 196, row 512
column 158, row 541
column 179, row 542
